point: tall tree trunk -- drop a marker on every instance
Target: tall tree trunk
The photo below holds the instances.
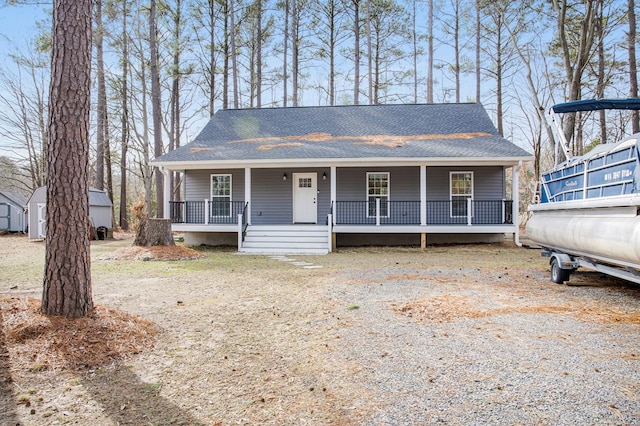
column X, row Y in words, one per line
column 574, row 61
column 155, row 107
column 370, row 59
column 378, row 71
column 633, row 66
column 145, row 169
column 259, row 13
column 478, row 75
column 332, row 53
column 109, row 172
column 601, row 83
column 124, row 120
column 67, row 275
column 225, row 71
column 356, row 51
column 102, row 97
column 535, row 97
column 103, row 146
column 430, row 48
column 212, row 58
column 234, row 55
column 285, row 66
column 456, row 52
column 295, row 51
column 499, row 66
column 414, row 39
column 174, row 128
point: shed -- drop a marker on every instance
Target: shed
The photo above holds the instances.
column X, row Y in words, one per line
column 100, row 211
column 12, row 215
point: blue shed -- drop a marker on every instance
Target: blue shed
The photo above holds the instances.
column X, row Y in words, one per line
column 12, row 215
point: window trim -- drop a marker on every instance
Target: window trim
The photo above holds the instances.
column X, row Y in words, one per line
column 451, row 194
column 229, row 197
column 388, row 196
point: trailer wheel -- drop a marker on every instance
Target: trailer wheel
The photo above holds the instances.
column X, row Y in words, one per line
column 558, row 275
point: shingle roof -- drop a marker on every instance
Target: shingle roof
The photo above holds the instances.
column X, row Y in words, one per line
column 362, row 131
column 98, row 197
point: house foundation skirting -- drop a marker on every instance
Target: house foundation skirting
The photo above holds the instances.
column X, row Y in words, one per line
column 361, row 235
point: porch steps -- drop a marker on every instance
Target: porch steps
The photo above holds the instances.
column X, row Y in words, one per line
column 286, row 239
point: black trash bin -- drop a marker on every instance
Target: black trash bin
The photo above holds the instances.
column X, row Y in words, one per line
column 101, row 233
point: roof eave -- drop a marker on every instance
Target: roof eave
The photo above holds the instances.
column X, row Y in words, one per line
column 342, row 162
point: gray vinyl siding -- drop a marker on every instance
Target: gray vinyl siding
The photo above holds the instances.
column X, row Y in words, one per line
column 197, row 185
column 488, row 182
column 404, row 183
column 272, row 198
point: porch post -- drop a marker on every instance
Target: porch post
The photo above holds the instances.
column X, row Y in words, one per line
column 247, row 192
column 166, row 189
column 469, row 211
column 206, row 211
column 423, row 195
column 330, row 233
column 515, row 196
column 377, row 211
column 334, row 192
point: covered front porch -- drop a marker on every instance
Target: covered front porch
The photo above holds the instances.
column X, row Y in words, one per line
column 327, row 198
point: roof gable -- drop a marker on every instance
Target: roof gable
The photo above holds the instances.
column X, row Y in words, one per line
column 17, row 199
column 367, row 131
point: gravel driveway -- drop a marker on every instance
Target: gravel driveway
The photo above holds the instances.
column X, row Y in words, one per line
column 480, row 347
column 460, row 335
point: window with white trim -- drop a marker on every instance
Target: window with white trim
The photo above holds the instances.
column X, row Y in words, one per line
column 378, row 188
column 461, row 190
column 220, row 195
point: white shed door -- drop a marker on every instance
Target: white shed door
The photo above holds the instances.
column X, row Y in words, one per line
column 42, row 220
column 305, row 195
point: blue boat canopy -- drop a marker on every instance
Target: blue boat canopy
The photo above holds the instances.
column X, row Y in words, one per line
column 596, row 105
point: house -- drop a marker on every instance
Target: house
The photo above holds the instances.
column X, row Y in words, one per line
column 12, row 216
column 100, row 211
column 306, row 179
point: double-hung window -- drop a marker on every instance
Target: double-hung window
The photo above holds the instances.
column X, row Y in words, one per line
column 461, row 185
column 378, row 188
column 220, row 195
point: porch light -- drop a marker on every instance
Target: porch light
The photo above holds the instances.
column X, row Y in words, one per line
column 284, row 177
column 324, row 176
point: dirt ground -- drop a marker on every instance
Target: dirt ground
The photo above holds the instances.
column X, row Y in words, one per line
column 217, row 338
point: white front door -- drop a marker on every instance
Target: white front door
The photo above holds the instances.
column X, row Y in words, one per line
column 42, row 219
column 305, row 197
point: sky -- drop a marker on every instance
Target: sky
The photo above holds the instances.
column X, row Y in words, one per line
column 18, row 25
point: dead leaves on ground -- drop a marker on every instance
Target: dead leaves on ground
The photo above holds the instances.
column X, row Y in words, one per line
column 449, row 307
column 37, row 342
column 176, row 252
